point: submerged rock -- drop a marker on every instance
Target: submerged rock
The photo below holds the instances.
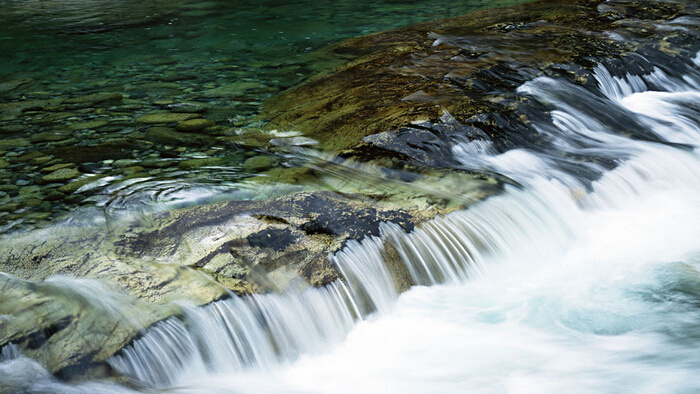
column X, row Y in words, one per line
column 61, row 175
column 258, row 163
column 193, row 125
column 8, row 86
column 165, row 118
column 168, row 136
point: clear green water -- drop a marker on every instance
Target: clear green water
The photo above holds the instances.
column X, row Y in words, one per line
column 222, row 57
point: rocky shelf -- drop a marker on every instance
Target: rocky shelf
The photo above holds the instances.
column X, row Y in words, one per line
column 393, row 110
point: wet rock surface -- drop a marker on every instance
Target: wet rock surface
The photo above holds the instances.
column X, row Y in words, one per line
column 471, row 66
column 199, row 254
column 390, row 113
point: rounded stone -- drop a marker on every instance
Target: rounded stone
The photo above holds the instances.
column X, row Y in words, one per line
column 56, row 167
column 258, row 163
column 164, row 118
column 192, row 125
column 62, row 175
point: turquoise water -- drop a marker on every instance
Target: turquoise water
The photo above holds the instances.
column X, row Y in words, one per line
column 221, row 58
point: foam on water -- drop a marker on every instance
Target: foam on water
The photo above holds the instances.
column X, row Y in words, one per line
column 563, row 284
column 584, row 288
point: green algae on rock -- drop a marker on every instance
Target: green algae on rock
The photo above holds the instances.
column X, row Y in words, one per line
column 460, row 64
column 60, row 176
column 370, row 110
column 165, row 118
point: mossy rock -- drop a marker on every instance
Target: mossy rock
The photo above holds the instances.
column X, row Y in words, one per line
column 258, row 163
column 169, row 136
column 165, row 117
column 193, row 164
column 467, row 65
column 194, row 125
column 59, row 176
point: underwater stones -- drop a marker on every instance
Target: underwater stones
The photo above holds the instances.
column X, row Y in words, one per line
column 159, row 86
column 169, row 136
column 175, row 77
column 74, row 186
column 186, row 107
column 8, row 86
column 50, row 136
column 91, row 124
column 12, row 129
column 235, row 89
column 194, row 125
column 11, row 143
column 166, row 101
column 165, row 118
column 122, row 163
column 258, row 163
column 251, row 139
column 115, row 149
column 13, row 110
column 92, row 99
column 59, row 176
column 4, row 164
column 10, row 207
column 29, row 156
column 9, row 188
column 40, row 160
column 193, row 164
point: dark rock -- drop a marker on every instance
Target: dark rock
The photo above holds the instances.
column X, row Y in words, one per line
column 275, row 239
column 420, row 145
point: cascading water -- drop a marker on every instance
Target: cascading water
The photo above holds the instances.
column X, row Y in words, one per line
column 237, row 333
column 561, row 284
column 564, row 283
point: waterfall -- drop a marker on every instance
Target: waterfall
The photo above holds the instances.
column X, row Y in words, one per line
column 9, row 352
column 235, row 333
column 538, row 222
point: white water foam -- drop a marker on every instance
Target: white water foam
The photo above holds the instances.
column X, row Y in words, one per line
column 570, row 289
column 558, row 286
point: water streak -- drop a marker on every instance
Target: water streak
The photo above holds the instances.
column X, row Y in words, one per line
column 548, row 228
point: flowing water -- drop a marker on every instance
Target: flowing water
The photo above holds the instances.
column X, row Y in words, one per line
column 579, row 277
